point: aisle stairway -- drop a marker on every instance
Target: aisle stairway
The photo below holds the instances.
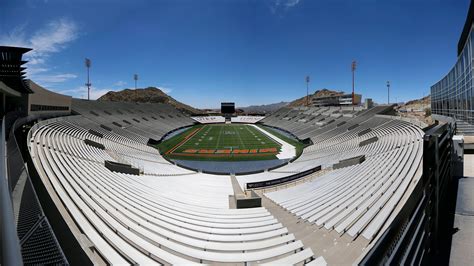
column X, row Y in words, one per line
column 464, row 128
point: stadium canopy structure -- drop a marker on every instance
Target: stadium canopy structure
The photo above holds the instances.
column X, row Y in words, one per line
column 12, row 82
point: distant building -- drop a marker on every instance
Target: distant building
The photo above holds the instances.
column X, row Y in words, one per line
column 453, row 95
column 336, row 100
column 368, row 103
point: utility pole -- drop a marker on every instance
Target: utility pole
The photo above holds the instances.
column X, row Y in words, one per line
column 388, row 92
column 88, row 84
column 307, row 90
column 354, row 65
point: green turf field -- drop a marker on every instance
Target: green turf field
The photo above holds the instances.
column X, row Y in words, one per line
column 220, row 142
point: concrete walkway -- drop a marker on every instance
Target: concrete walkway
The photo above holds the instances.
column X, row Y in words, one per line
column 462, row 246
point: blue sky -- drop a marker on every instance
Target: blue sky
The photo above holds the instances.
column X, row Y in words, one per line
column 251, row 52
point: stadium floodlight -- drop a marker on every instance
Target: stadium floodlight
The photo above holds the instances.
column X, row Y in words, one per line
column 307, row 90
column 88, row 84
column 353, row 67
column 135, row 77
column 388, row 92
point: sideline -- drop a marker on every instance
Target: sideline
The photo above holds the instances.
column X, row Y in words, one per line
column 288, row 151
column 184, row 140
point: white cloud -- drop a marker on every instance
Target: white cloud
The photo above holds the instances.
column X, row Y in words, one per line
column 281, row 6
column 96, row 93
column 81, row 92
column 165, row 90
column 52, row 38
column 57, row 78
column 15, row 38
column 291, row 3
column 120, row 83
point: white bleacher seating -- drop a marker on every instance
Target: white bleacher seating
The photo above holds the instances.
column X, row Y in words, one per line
column 172, row 215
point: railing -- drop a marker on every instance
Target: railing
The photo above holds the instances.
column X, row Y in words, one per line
column 282, row 180
column 10, row 246
column 31, row 220
column 413, row 237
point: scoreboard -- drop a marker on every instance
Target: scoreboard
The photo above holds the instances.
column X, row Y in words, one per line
column 227, row 108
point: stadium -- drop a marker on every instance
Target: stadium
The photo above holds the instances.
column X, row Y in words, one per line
column 99, row 182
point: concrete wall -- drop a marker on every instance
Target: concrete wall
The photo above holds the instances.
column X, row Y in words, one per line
column 44, row 97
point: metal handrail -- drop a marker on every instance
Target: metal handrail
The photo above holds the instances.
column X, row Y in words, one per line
column 11, row 254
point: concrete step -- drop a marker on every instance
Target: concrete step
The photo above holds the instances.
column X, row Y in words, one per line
column 464, row 128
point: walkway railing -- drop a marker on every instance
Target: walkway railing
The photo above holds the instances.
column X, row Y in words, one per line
column 414, row 236
column 10, row 247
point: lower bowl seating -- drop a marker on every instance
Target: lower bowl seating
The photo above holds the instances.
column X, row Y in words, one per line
column 171, row 215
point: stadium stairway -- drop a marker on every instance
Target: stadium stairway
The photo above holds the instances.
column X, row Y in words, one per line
column 463, row 128
column 317, row 238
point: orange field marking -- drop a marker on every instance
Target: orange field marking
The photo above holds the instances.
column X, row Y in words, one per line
column 194, row 132
column 236, row 151
column 267, row 150
column 223, row 151
column 222, row 155
column 240, row 151
column 206, row 151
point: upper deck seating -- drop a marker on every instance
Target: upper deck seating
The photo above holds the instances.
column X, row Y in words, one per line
column 209, row 119
column 246, row 119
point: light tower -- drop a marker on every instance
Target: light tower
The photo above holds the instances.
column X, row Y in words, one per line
column 88, row 84
column 135, row 77
column 388, row 92
column 353, row 67
column 307, row 90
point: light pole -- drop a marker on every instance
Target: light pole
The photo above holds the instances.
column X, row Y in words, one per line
column 388, row 92
column 307, row 90
column 353, row 67
column 135, row 77
column 88, row 84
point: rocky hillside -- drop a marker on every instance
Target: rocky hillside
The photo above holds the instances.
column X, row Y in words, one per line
column 423, row 101
column 319, row 93
column 418, row 109
column 263, row 109
column 147, row 95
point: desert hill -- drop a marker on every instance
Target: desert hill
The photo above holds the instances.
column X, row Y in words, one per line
column 263, row 109
column 319, row 93
column 147, row 95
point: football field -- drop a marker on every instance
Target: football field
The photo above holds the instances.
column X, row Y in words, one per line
column 222, row 142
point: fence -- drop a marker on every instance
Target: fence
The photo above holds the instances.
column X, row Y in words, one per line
column 33, row 235
column 10, row 248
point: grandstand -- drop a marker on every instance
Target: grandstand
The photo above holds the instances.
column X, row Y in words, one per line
column 175, row 215
column 247, row 119
column 98, row 182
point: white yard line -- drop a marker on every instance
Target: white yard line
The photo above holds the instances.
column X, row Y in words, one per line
column 288, row 151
